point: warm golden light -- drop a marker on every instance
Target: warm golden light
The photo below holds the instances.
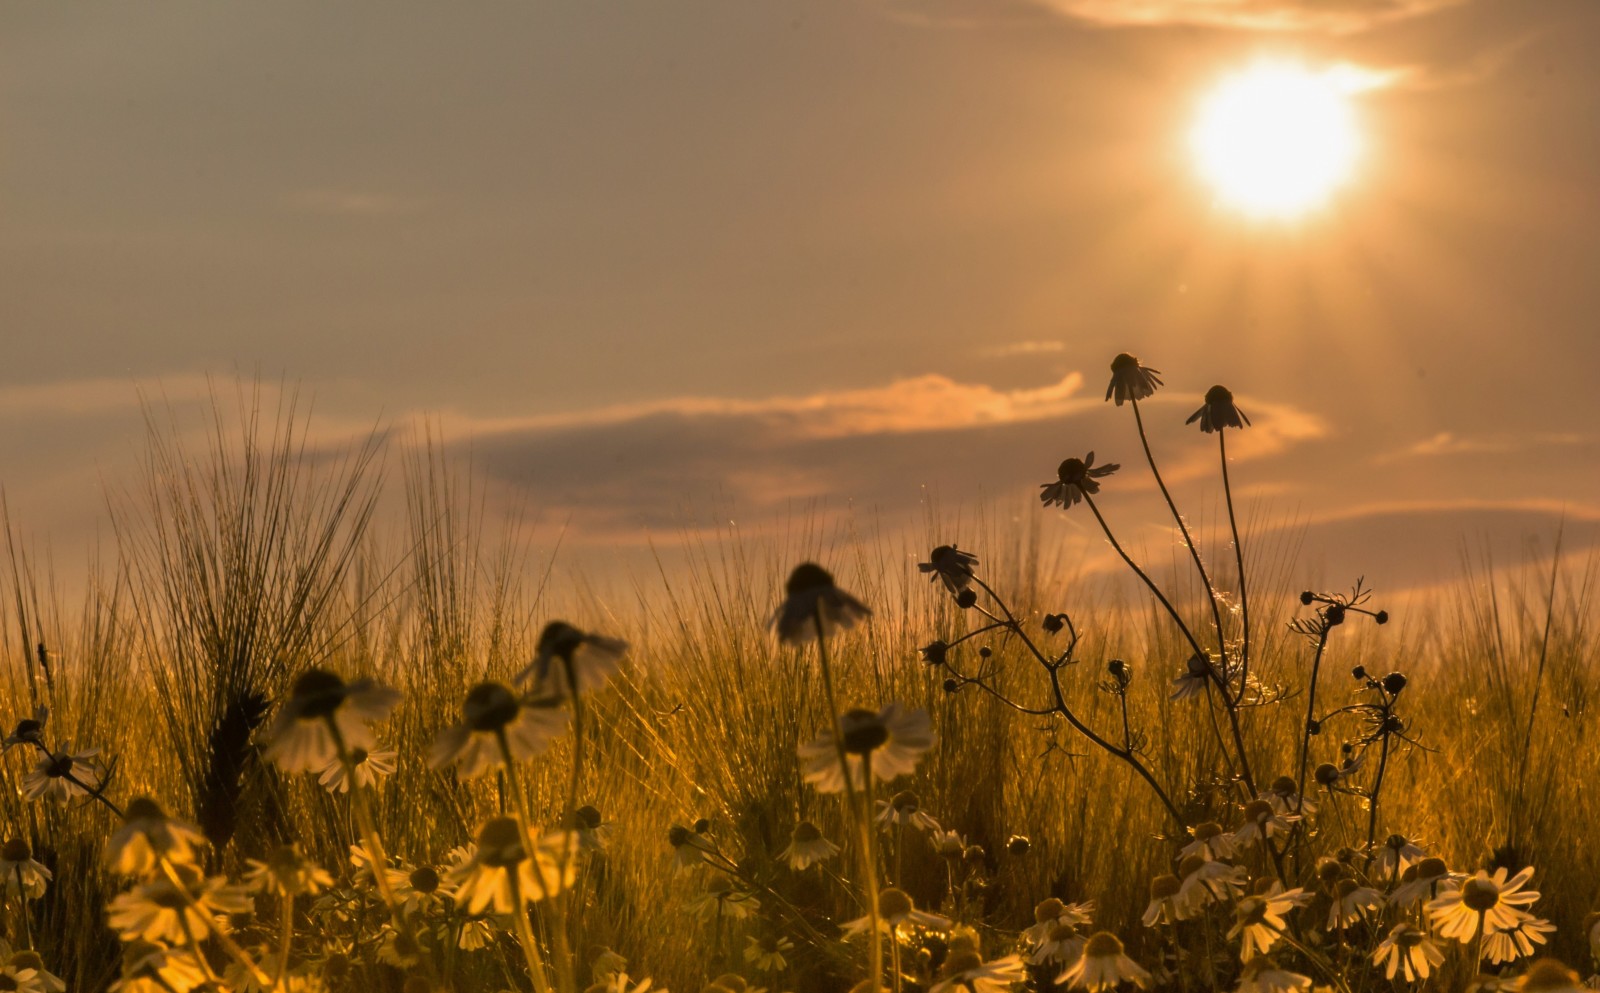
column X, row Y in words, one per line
column 1277, row 138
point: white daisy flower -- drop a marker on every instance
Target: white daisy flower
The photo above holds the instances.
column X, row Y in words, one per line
column 1262, row 821
column 1483, row 903
column 1517, row 941
column 1352, row 903
column 496, row 729
column 1262, row 975
column 766, row 954
column 1397, row 854
column 1424, row 881
column 895, row 910
column 148, row 835
column 1205, row 882
column 322, row 714
column 505, row 871
column 29, row 730
column 893, row 740
column 1210, row 843
column 286, row 874
column 1060, row 946
column 371, row 769
column 568, row 661
column 966, row 972
column 151, row 968
column 1284, row 795
column 904, row 809
column 1258, row 923
column 1163, row 906
column 811, row 596
column 64, row 775
column 1051, row 912
column 1103, row 966
column 19, row 873
column 1409, row 952
column 807, row 847
column 157, row 910
column 44, row 980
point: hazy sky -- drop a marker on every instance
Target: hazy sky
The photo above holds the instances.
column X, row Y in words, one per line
column 660, row 264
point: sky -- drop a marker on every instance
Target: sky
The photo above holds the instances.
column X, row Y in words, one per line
column 651, row 268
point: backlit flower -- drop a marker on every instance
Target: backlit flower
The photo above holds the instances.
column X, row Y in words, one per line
column 1210, row 842
column 1050, row 913
column 1130, row 380
column 1423, row 881
column 1258, row 924
column 1163, row 906
column 965, row 971
column 892, row 740
column 1218, row 412
column 496, row 728
column 807, row 847
column 569, row 662
column 286, row 873
column 1483, row 903
column 689, row 847
column 148, row 834
column 1075, row 479
column 1517, row 941
column 1397, row 854
column 896, row 909
column 1205, row 882
column 151, row 968
column 1409, row 951
column 1103, row 966
column 1262, row 975
column 810, row 599
column 64, row 775
column 371, row 769
column 722, row 899
column 1262, row 821
column 950, row 565
column 1352, row 903
column 29, row 730
column 904, row 809
column 1060, row 946
column 505, row 871
column 766, row 954
column 19, row 873
column 323, row 716
column 1194, row 678
column 158, row 910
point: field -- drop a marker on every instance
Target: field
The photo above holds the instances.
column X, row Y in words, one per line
column 682, row 762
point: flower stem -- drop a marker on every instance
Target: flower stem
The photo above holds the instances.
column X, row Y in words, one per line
column 284, row 941
column 1238, row 557
column 530, row 947
column 871, row 868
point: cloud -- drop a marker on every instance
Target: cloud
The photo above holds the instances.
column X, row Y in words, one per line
column 1319, row 16
column 1023, row 348
column 1447, row 443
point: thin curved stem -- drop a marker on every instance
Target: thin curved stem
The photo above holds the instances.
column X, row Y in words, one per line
column 1238, row 557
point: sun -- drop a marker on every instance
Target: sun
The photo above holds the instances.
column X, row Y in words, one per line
column 1277, row 138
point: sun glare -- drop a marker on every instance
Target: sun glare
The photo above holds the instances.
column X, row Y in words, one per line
column 1277, row 139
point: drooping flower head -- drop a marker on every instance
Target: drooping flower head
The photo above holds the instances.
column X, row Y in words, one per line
column 370, row 768
column 892, row 740
column 1103, row 966
column 19, row 873
column 1130, row 380
column 286, row 874
column 496, row 728
column 902, row 810
column 896, row 909
column 157, row 910
column 1075, row 480
column 1218, row 412
column 506, row 871
column 325, row 718
column 29, row 730
column 807, row 847
column 569, row 662
column 811, row 599
column 148, row 835
column 951, row 565
column 63, row 775
column 1409, row 951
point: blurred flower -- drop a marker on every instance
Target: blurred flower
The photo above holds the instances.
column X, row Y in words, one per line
column 1075, row 479
column 965, row 971
column 148, row 835
column 1205, row 882
column 371, row 769
column 951, row 565
column 1517, row 941
column 325, row 716
column 688, row 847
column 19, row 872
column 1194, row 678
column 1262, row 975
column 44, row 980
column 1423, row 881
column 502, row 873
column 1258, row 923
column 1218, row 412
column 286, row 874
column 618, row 982
column 766, row 954
column 807, row 847
column 1397, row 854
column 892, row 739
column 29, row 730
column 1352, row 903
column 1103, row 966
column 1551, row 976
column 1051, row 913
column 419, row 889
column 1210, row 842
column 151, row 968
column 496, row 728
column 895, row 909
column 1130, row 380
column 1060, row 946
column 586, row 661
column 722, row 899
column 1262, row 821
column 1409, row 951
column 159, row 910
column 904, row 809
column 1485, row 902
column 810, row 597
column 64, row 775
column 1163, row 906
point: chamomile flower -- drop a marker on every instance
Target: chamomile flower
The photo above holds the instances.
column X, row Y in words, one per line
column 1423, row 881
column 1218, row 412
column 689, row 847
column 1060, row 946
column 286, row 874
column 965, row 971
column 44, row 980
column 158, row 910
column 371, row 769
column 21, row 979
column 496, row 729
column 1103, row 965
column 950, row 565
column 892, row 740
column 419, row 889
column 1210, row 842
column 1194, row 678
column 1163, row 907
column 1205, row 882
column 19, row 873
column 618, row 982
column 1483, row 904
column 1130, row 380
column 148, row 835
column 1284, row 795
column 323, row 716
column 1052, row 912
column 1517, row 941
column 1261, row 820
column 1258, row 924
column 1409, row 952
column 1075, row 479
column 29, row 730
column 506, row 871
column 1262, row 975
column 896, row 910
column 904, row 809
column 723, row 900
column 766, row 954
column 1352, row 903
column 1550, row 976
column 810, row 599
column 1397, row 854
column 807, row 847
column 151, row 968
column 63, row 775
column 568, row 662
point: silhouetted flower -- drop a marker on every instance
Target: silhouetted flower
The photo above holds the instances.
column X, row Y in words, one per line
column 1130, row 380
column 896, row 909
column 587, row 661
column 892, row 739
column 1218, row 412
column 951, row 565
column 811, row 598
column 29, row 730
column 1075, row 479
column 324, row 718
column 496, row 728
column 371, row 768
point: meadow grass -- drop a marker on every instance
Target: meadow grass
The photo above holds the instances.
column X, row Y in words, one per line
column 237, row 569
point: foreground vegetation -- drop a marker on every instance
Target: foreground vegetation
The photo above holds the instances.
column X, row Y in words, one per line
column 977, row 775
